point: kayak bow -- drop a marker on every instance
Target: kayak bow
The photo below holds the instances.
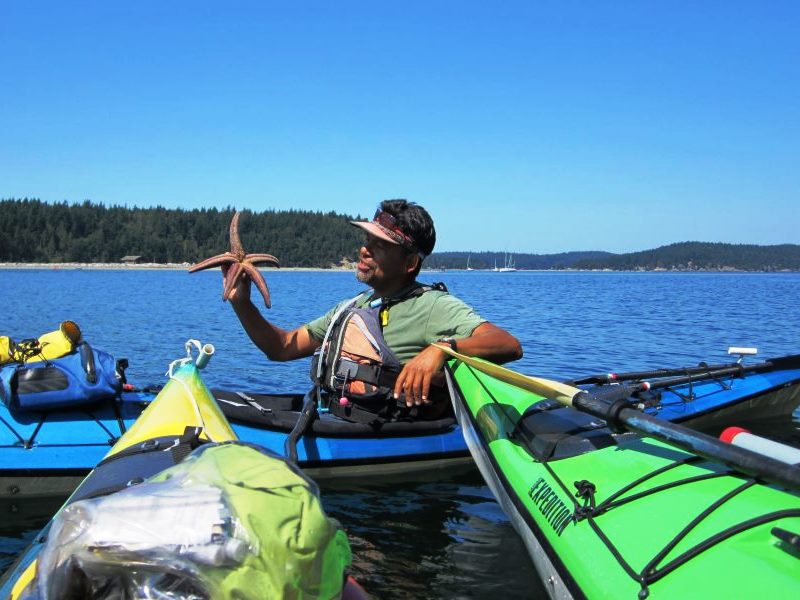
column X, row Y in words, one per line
column 179, row 508
column 607, row 513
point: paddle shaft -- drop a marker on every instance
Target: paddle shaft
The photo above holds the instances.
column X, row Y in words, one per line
column 745, row 461
column 733, row 371
column 613, row 408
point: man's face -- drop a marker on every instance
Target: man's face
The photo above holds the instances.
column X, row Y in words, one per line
column 381, row 264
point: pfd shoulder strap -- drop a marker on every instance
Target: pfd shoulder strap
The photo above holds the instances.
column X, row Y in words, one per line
column 346, row 306
column 414, row 292
column 418, row 290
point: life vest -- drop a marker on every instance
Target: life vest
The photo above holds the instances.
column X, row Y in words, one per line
column 356, row 367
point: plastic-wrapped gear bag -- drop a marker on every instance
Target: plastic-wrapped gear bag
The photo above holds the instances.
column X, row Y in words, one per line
column 230, row 521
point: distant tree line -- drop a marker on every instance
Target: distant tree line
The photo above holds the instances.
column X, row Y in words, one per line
column 36, row 231
column 703, row 256
column 684, row 256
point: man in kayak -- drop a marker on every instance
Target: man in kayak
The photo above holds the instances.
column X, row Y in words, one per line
column 412, row 316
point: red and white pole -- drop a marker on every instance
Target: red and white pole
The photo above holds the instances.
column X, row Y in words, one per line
column 742, row 437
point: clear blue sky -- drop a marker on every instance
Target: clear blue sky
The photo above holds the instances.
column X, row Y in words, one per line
column 522, row 126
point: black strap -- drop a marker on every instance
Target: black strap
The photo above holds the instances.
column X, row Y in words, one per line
column 413, row 292
column 186, row 443
column 372, row 374
column 307, row 416
column 375, row 413
column 135, row 464
column 179, row 447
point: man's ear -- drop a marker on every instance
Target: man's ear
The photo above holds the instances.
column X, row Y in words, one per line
column 412, row 261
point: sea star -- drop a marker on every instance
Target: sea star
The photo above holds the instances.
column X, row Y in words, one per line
column 239, row 263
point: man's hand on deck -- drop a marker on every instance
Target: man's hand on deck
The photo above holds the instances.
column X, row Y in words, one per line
column 415, row 378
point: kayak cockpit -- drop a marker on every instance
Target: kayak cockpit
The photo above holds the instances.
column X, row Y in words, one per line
column 279, row 412
column 548, row 431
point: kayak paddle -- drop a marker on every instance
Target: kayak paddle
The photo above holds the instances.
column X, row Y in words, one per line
column 612, row 407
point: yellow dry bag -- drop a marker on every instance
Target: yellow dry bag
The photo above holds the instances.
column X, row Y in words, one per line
column 49, row 346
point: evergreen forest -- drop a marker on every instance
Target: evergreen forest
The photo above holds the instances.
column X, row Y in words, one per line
column 38, row 232
column 32, row 231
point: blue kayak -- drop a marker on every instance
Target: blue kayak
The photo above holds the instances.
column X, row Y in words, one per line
column 46, row 453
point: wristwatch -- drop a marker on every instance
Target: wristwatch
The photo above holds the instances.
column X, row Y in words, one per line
column 450, row 342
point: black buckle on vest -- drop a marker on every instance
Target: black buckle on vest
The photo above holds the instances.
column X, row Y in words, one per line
column 384, row 412
column 349, row 369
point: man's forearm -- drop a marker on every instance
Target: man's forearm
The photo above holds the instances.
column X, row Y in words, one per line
column 492, row 343
column 278, row 344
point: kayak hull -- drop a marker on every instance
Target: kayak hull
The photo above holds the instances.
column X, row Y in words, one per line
column 540, row 551
column 597, row 509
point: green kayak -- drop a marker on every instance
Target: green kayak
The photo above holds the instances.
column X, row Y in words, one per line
column 614, row 514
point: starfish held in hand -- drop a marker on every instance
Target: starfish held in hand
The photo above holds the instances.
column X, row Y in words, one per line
column 239, row 264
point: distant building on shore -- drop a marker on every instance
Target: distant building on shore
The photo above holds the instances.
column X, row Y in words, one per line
column 131, row 260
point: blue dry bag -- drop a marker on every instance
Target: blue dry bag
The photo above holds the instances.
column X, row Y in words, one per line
column 81, row 377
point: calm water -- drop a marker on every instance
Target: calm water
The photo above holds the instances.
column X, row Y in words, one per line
column 433, row 538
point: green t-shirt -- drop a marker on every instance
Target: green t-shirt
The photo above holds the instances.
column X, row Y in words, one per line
column 415, row 323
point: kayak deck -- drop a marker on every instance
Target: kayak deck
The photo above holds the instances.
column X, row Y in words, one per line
column 43, row 454
column 620, row 515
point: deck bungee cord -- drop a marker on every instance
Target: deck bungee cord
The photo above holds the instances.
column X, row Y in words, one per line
column 31, row 441
column 651, row 572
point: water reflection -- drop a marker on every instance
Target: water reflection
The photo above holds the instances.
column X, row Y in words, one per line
column 446, row 538
column 20, row 521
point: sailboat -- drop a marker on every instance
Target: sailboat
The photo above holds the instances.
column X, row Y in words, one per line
column 468, row 267
column 508, row 266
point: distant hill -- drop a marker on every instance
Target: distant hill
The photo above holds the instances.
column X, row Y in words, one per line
column 36, row 231
column 702, row 256
column 684, row 256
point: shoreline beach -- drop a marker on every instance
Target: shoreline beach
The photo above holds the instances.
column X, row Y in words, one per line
column 134, row 267
column 184, row 266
